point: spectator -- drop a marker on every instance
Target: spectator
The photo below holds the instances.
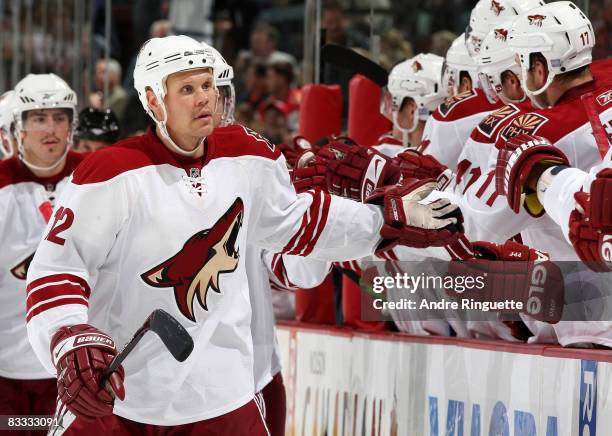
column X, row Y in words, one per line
column 336, row 26
column 262, row 48
column 441, row 42
column 256, row 86
column 282, row 96
column 394, row 49
column 275, row 122
column 117, row 97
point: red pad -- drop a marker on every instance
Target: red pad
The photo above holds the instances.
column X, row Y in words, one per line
column 365, row 122
column 351, row 308
column 320, row 111
column 316, row 305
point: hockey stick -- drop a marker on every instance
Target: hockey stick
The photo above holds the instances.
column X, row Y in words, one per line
column 588, row 102
column 173, row 335
column 348, row 59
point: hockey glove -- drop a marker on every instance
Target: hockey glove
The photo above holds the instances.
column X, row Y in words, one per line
column 416, row 165
column 513, row 271
column 601, row 196
column 588, row 241
column 356, row 171
column 410, row 223
column 293, row 150
column 310, row 169
column 80, row 354
column 516, row 160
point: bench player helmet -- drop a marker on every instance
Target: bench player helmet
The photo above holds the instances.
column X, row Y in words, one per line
column 419, row 78
column 496, row 57
column 560, row 32
column 488, row 13
column 457, row 60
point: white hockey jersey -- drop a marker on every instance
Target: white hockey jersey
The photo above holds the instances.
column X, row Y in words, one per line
column 133, row 234
column 26, row 204
column 451, row 124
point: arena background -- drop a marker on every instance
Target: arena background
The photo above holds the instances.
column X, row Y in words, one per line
column 340, row 379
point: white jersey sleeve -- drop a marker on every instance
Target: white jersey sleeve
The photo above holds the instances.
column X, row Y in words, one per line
column 65, row 270
column 295, row 272
column 313, row 223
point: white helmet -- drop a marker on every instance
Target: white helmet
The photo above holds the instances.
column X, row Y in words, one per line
column 494, row 58
column 6, row 123
column 418, row 78
column 489, row 13
column 160, row 57
column 224, row 74
column 42, row 91
column 561, row 32
column 458, row 60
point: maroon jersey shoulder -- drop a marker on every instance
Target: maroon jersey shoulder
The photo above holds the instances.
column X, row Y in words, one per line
column 237, row 140
column 107, row 163
column 11, row 172
column 464, row 105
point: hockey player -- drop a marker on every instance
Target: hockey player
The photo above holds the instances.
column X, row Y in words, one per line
column 44, row 117
column 460, row 72
column 158, row 221
column 7, row 140
column 97, row 129
column 450, row 126
column 413, row 91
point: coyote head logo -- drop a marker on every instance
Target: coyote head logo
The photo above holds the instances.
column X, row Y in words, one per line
column 496, row 7
column 536, row 20
column 21, row 271
column 416, row 66
column 501, row 34
column 196, row 267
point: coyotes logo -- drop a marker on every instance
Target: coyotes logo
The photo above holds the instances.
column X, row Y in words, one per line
column 21, row 271
column 496, row 7
column 488, row 125
column 451, row 102
column 524, row 124
column 196, row 267
column 501, row 34
column 536, row 20
column 416, row 66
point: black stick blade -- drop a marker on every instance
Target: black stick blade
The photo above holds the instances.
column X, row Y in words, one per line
column 174, row 336
column 348, row 59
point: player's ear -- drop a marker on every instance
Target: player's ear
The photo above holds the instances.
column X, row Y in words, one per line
column 154, row 104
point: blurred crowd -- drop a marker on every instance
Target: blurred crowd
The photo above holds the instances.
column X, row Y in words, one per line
column 262, row 39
